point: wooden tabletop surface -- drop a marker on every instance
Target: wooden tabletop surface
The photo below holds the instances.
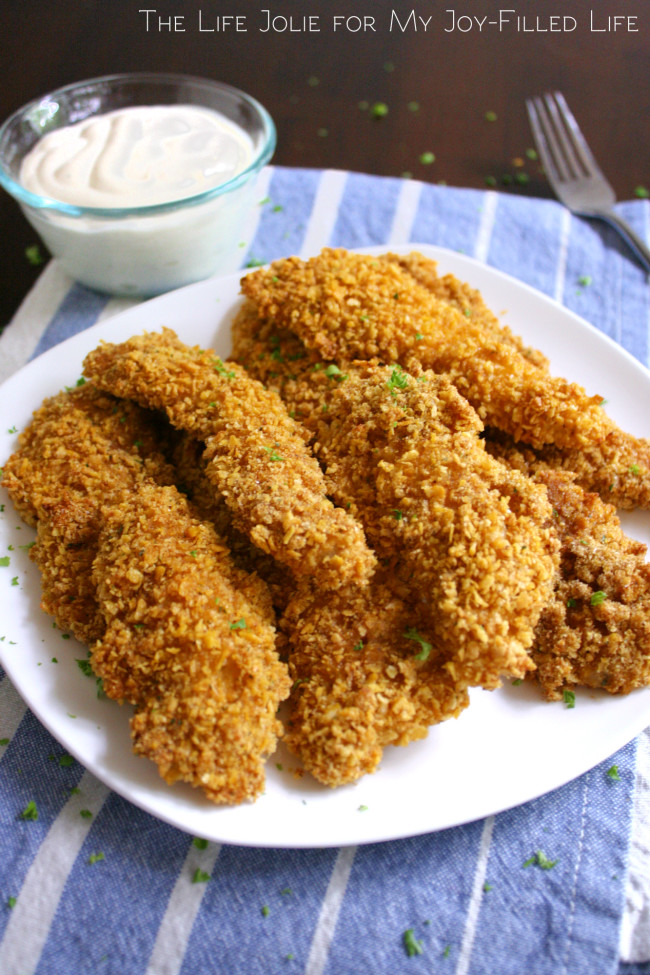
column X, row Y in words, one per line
column 373, row 86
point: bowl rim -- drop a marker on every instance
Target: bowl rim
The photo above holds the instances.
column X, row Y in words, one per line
column 38, row 202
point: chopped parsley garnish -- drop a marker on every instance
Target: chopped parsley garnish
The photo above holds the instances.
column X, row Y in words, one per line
column 200, row 876
column 30, row 811
column 412, row 944
column 612, row 773
column 413, row 106
column 265, row 910
column 362, row 809
column 66, row 761
column 200, row 843
column 598, row 597
column 487, row 887
column 412, row 634
column 13, row 429
column 571, row 603
column 85, row 813
column 359, row 645
column 273, row 454
column 221, row 369
column 540, row 860
column 239, row 625
column 516, row 682
column 4, row 741
column 641, row 192
column 569, row 698
column 397, row 514
column 426, row 158
column 96, row 858
column 584, row 280
column 490, row 116
column 634, row 469
column 85, row 668
column 333, row 372
column 33, row 255
column 11, row 901
column 5, row 560
column 398, row 380
column 379, row 110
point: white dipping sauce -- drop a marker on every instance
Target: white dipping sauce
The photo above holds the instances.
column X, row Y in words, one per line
column 137, row 156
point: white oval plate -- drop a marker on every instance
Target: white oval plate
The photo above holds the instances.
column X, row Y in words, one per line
column 508, row 747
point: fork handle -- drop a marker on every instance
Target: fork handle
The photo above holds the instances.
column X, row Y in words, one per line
column 639, row 247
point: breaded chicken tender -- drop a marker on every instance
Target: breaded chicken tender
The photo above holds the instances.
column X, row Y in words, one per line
column 190, row 478
column 281, row 361
column 189, row 642
column 347, row 306
column 82, row 449
column 361, row 680
column 257, row 458
column 466, row 299
column 617, row 468
column 470, row 538
column 595, row 631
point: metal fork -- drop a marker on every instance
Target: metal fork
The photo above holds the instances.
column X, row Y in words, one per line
column 571, row 169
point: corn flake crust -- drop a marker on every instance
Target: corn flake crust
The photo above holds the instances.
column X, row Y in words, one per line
column 255, row 452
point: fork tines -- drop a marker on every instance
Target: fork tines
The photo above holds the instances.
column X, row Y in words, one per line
column 563, row 150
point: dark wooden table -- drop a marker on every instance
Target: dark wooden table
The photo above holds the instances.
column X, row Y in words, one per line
column 445, row 84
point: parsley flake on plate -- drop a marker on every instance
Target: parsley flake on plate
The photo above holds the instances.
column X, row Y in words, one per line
column 95, row 858
column 569, row 698
column 200, row 876
column 612, row 773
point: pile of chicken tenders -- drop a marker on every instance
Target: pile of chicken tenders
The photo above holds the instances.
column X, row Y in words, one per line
column 380, row 500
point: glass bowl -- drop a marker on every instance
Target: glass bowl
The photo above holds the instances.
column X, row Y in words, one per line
column 138, row 250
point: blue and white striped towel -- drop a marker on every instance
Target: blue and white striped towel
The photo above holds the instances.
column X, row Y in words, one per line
column 472, row 907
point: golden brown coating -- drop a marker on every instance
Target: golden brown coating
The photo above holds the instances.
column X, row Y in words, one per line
column 256, row 454
column 82, row 449
column 278, row 358
column 466, row 299
column 617, row 468
column 351, row 306
column 190, row 643
column 360, row 683
column 595, row 631
column 470, row 538
column 190, row 478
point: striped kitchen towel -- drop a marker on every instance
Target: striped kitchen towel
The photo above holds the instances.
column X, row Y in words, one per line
column 95, row 885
